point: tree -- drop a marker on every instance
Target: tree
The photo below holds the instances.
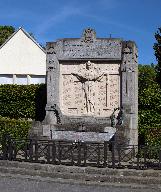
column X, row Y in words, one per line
column 149, row 104
column 147, row 76
column 157, row 49
column 5, row 33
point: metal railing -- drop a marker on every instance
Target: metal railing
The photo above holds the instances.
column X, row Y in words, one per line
column 78, row 153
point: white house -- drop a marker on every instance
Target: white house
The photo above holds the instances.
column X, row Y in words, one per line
column 22, row 60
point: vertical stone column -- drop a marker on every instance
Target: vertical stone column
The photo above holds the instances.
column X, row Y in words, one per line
column 52, row 84
column 129, row 100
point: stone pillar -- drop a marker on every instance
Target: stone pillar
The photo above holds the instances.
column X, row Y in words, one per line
column 129, row 74
column 52, row 84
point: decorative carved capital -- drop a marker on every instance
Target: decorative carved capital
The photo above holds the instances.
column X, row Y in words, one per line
column 130, row 52
column 51, row 50
column 127, row 50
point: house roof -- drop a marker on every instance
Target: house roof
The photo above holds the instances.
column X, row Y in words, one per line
column 27, row 34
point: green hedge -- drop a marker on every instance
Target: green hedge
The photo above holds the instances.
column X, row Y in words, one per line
column 15, row 128
column 23, row 101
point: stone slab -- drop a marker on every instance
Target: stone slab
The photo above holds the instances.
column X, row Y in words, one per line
column 82, row 136
column 100, row 49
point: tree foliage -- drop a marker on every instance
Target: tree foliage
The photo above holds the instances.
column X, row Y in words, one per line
column 149, row 102
column 147, row 76
column 5, row 33
column 157, row 49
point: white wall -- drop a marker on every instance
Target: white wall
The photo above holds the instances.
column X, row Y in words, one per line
column 20, row 55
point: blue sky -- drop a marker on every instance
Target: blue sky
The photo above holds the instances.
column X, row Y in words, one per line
column 49, row 20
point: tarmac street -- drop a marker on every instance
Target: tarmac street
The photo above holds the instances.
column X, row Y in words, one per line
column 22, row 183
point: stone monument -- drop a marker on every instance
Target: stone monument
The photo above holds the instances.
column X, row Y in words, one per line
column 91, row 88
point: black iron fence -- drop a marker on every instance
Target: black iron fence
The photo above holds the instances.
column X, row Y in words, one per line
column 79, row 153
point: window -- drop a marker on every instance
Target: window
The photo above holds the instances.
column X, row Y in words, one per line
column 37, row 79
column 6, row 79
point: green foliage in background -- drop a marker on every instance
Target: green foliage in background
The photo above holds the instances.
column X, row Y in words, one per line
column 157, row 49
column 149, row 104
column 22, row 101
column 5, row 33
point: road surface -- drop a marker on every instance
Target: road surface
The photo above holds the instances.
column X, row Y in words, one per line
column 22, row 183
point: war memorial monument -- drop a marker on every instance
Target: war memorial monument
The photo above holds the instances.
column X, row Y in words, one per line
column 92, row 89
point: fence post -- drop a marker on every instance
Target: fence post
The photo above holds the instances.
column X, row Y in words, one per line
column 79, row 153
column 31, row 150
column 14, row 150
column 54, row 153
column 119, row 155
column 85, row 153
column 159, row 158
column 48, row 152
column 133, row 155
column 145, row 154
column 4, row 147
column 105, row 154
column 25, row 149
column 36, row 151
column 138, row 157
column 113, row 155
column 10, row 149
column 59, row 152
column 72, row 154
column 98, row 155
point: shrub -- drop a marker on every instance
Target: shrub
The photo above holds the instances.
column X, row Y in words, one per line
column 15, row 128
column 23, row 101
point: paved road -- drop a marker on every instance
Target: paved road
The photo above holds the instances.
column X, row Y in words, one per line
column 21, row 183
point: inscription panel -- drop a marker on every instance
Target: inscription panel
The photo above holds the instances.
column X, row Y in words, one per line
column 99, row 48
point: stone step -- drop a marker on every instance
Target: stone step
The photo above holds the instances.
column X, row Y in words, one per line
column 83, row 174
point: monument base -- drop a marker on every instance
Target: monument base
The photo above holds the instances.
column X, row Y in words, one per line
column 81, row 136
